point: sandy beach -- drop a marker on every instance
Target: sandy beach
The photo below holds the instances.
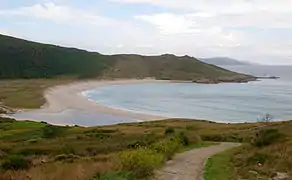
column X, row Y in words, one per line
column 68, row 97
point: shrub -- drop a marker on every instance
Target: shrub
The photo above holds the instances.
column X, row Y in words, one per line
column 266, row 137
column 105, row 131
column 16, row 162
column 142, row 162
column 116, row 176
column 168, row 147
column 183, row 139
column 66, row 157
column 258, row 158
column 67, row 149
column 143, row 141
column 50, row 131
column 2, row 154
column 169, row 131
column 191, row 128
column 213, row 137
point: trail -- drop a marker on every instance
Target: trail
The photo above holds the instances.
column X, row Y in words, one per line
column 190, row 165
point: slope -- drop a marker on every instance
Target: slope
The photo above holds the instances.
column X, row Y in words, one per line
column 222, row 61
column 25, row 59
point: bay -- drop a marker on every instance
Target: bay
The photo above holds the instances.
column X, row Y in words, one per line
column 226, row 102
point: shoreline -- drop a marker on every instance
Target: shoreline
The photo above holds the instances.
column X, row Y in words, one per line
column 69, row 97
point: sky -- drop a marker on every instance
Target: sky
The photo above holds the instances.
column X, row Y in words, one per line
column 258, row 31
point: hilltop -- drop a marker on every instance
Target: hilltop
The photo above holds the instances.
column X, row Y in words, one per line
column 222, row 61
column 21, row 59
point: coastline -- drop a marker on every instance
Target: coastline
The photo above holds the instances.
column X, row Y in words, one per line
column 69, row 97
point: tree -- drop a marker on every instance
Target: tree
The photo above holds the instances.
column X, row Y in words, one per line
column 267, row 118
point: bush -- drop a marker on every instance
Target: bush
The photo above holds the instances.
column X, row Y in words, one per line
column 143, row 141
column 67, row 149
column 183, row 139
column 258, row 158
column 191, row 128
column 213, row 137
column 16, row 162
column 266, row 137
column 116, row 176
column 50, row 131
column 66, row 157
column 167, row 147
column 169, row 131
column 142, row 162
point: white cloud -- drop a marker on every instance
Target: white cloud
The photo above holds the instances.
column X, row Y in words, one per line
column 222, row 6
column 169, row 23
column 60, row 14
column 193, row 27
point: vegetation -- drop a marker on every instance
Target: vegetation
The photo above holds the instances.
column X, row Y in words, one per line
column 16, row 162
column 267, row 137
column 265, row 156
column 27, row 93
column 220, row 167
column 142, row 161
column 117, row 150
column 24, row 59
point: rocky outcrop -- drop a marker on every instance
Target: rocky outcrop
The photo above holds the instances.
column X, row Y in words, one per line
column 225, row 80
column 7, row 110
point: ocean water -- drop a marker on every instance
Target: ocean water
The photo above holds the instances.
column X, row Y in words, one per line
column 226, row 102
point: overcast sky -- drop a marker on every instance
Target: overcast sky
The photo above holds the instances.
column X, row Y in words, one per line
column 252, row 30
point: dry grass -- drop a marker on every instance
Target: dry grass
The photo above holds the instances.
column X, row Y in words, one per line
column 27, row 94
column 96, row 145
column 254, row 162
column 82, row 170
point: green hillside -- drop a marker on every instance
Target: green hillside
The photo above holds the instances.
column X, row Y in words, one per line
column 24, row 59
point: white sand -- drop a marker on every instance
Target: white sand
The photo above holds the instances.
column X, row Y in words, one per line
column 69, row 96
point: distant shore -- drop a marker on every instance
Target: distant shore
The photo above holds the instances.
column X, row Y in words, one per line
column 64, row 97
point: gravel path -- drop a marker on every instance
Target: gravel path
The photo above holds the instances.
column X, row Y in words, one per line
column 189, row 165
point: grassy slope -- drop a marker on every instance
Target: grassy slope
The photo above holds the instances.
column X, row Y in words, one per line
column 220, row 167
column 27, row 93
column 96, row 147
column 25, row 59
column 253, row 162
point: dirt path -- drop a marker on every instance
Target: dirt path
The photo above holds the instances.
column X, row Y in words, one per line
column 190, row 165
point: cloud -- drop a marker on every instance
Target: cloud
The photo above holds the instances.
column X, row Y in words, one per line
column 61, row 14
column 244, row 29
column 220, row 7
column 169, row 23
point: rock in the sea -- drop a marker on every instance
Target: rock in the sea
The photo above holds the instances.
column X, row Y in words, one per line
column 7, row 110
column 205, row 81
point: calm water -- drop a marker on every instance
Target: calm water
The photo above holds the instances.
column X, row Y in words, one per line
column 219, row 102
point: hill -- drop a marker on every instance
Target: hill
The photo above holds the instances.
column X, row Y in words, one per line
column 25, row 59
column 221, row 61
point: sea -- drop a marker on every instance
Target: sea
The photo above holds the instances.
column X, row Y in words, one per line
column 226, row 102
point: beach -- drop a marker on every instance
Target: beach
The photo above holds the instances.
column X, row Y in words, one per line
column 69, row 97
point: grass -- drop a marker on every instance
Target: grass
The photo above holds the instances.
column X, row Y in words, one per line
column 116, row 176
column 93, row 145
column 27, row 94
column 99, row 146
column 219, row 167
column 199, row 145
column 266, row 155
